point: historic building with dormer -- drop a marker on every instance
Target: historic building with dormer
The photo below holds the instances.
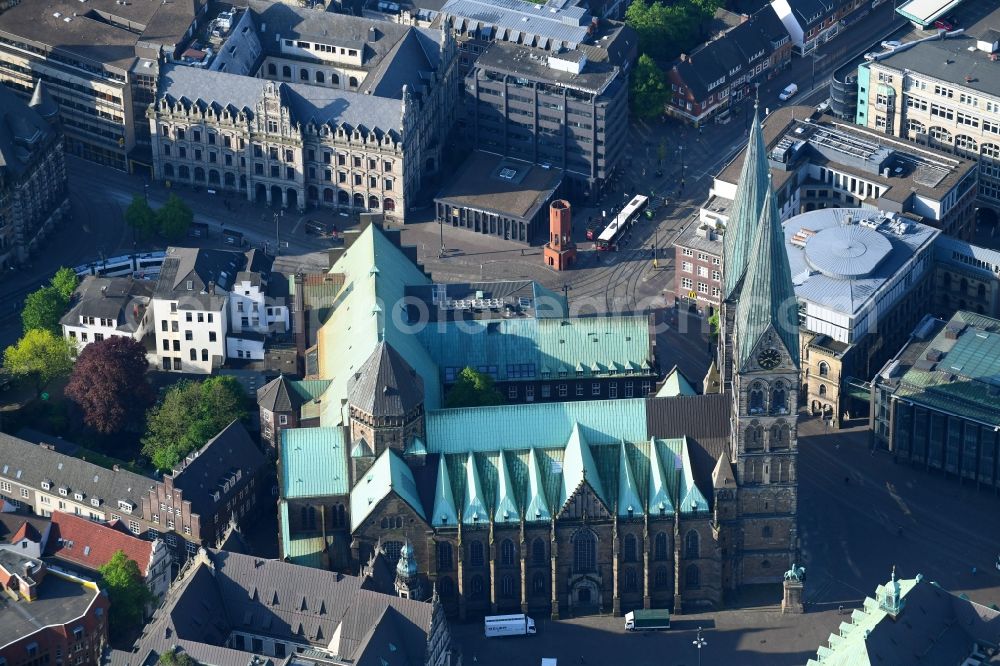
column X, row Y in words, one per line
column 620, row 499
column 337, row 111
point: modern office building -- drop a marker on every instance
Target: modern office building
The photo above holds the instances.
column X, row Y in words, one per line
column 337, row 111
column 936, row 403
column 99, row 62
column 941, row 92
column 564, row 109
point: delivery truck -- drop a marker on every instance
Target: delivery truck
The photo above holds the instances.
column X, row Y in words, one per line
column 647, row 620
column 509, row 625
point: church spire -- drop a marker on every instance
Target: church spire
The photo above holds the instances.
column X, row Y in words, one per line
column 745, row 212
column 767, row 300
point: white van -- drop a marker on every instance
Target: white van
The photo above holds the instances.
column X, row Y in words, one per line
column 788, row 92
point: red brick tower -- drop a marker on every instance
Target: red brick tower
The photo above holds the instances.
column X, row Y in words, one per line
column 560, row 251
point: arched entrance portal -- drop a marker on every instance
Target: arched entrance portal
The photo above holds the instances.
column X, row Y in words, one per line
column 276, row 196
column 292, row 200
column 260, row 193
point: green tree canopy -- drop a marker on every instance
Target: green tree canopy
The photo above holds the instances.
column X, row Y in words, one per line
column 176, row 658
column 190, row 414
column 65, row 282
column 141, row 217
column 667, row 30
column 174, row 219
column 39, row 353
column 43, row 309
column 649, row 91
column 127, row 591
column 473, row 389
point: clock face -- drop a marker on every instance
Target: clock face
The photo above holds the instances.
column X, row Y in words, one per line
column 769, row 359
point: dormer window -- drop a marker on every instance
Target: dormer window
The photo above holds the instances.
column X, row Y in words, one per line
column 190, row 285
column 78, row 497
column 46, row 485
column 127, row 507
column 94, row 501
column 64, row 491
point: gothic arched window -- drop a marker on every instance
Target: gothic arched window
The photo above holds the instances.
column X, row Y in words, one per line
column 476, row 557
column 755, row 401
column 660, row 547
column 824, row 369
column 538, row 583
column 507, row 553
column 538, row 552
column 661, row 580
column 584, row 551
column 629, row 549
column 631, row 581
column 692, row 577
column 692, row 545
column 444, row 556
column 779, row 399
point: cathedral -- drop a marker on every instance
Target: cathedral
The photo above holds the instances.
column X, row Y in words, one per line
column 658, row 499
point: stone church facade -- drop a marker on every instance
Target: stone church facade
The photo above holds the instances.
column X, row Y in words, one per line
column 573, row 507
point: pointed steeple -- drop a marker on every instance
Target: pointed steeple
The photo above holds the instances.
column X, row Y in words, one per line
column 444, row 498
column 692, row 498
column 659, row 488
column 629, row 503
column 538, row 505
column 474, row 510
column 745, row 211
column 506, row 507
column 579, row 466
column 42, row 102
column 767, row 300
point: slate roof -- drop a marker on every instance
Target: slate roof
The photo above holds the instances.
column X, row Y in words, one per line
column 91, row 544
column 227, row 592
column 201, row 267
column 307, row 103
column 282, row 394
column 745, row 212
column 201, row 472
column 30, row 464
column 934, row 626
column 385, row 385
column 122, row 299
column 313, row 462
column 24, row 133
column 767, row 298
column 810, row 12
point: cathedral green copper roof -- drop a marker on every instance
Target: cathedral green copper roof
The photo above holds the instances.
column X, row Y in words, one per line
column 675, row 384
column 767, row 300
column 538, row 504
column 579, row 467
column 745, row 212
column 660, row 501
column 444, row 499
column 628, row 492
column 474, row 508
column 313, row 463
column 692, row 499
column 389, row 473
column 506, row 505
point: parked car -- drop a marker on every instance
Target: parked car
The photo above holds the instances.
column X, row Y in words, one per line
column 944, row 24
column 788, row 92
column 891, row 44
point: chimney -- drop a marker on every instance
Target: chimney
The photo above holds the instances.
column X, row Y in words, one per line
column 372, row 34
column 211, row 287
column 116, row 468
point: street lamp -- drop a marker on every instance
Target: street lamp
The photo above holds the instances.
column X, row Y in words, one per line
column 278, row 214
column 699, row 643
column 441, row 228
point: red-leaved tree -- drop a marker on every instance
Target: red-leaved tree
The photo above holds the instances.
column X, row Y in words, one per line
column 109, row 383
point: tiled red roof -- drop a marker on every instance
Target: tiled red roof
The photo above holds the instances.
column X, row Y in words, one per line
column 92, row 544
column 26, row 531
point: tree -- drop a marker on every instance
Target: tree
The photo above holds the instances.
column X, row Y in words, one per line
column 127, row 591
column 190, row 414
column 713, row 325
column 174, row 219
column 666, row 31
column 109, row 383
column 473, row 389
column 42, row 310
column 141, row 217
column 65, row 282
column 40, row 353
column 649, row 91
column 176, row 658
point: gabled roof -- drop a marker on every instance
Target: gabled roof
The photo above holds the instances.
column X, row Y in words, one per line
column 444, row 512
column 26, row 531
column 313, row 463
column 745, row 211
column 691, row 497
column 474, row 507
column 24, row 133
column 675, row 384
column 362, row 450
column 275, row 396
column 537, row 502
column 389, row 473
column 660, row 492
column 385, row 385
column 579, row 468
column 123, row 300
column 199, row 474
column 91, row 544
column 42, row 102
column 722, row 475
column 628, row 492
column 506, row 504
column 767, row 299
